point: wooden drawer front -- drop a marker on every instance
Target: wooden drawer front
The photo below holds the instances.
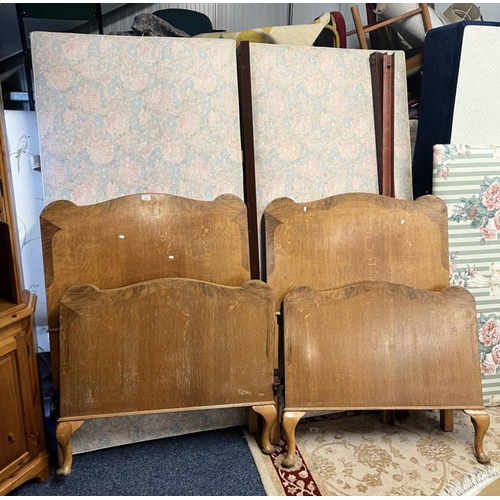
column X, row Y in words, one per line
column 12, row 433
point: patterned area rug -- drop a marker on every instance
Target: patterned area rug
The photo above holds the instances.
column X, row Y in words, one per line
column 355, row 454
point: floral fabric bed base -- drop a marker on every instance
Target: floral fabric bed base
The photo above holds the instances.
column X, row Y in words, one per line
column 467, row 178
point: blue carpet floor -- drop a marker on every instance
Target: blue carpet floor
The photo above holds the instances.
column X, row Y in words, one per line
column 207, row 463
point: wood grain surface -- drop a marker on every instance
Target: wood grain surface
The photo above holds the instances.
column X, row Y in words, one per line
column 353, row 238
column 138, row 238
column 381, row 346
column 165, row 344
column 142, row 237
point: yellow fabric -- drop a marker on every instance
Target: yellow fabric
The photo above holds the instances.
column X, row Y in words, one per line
column 302, row 34
column 257, row 35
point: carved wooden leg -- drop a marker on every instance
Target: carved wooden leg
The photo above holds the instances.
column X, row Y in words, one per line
column 270, row 415
column 64, row 431
column 276, row 430
column 481, row 422
column 446, row 420
column 290, row 421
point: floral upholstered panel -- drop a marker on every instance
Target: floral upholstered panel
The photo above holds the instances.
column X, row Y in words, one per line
column 314, row 123
column 467, row 178
column 119, row 115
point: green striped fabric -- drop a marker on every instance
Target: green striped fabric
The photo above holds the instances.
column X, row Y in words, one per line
column 467, row 178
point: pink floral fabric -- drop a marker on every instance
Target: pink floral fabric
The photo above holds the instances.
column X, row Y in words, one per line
column 314, row 125
column 467, row 178
column 122, row 115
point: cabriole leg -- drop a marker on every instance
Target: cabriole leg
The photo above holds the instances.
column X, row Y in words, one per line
column 481, row 422
column 64, row 431
column 290, row 421
column 270, row 415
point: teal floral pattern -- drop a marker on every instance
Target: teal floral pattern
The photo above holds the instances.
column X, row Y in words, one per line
column 443, row 157
column 482, row 211
column 467, row 178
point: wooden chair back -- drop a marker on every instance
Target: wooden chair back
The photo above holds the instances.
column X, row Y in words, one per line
column 412, row 62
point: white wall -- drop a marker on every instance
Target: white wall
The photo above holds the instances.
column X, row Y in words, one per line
column 23, row 147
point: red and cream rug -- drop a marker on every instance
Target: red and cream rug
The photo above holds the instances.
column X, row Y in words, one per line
column 351, row 454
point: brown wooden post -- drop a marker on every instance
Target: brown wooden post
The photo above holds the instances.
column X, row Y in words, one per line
column 382, row 69
column 247, row 144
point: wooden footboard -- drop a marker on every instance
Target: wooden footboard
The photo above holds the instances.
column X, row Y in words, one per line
column 381, row 346
column 166, row 344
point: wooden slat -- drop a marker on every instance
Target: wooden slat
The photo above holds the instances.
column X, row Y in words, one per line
column 359, row 28
column 351, row 238
column 381, row 345
column 166, row 344
column 246, row 128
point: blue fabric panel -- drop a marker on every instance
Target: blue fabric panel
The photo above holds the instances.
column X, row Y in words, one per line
column 443, row 48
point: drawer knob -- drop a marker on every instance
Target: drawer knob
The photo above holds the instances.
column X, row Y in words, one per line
column 10, row 437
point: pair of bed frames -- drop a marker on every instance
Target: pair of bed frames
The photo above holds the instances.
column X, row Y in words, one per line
column 151, row 309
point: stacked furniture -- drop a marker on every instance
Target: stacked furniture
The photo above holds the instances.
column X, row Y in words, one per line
column 155, row 311
column 129, row 263
column 369, row 322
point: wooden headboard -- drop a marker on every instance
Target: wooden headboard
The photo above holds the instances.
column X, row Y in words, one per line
column 142, row 237
column 352, row 238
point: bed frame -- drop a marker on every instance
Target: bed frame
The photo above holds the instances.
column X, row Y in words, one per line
column 385, row 333
column 179, row 328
